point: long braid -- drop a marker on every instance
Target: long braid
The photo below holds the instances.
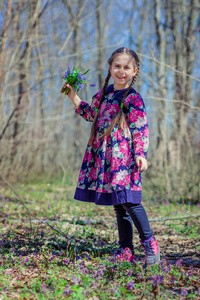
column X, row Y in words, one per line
column 93, row 128
column 122, row 121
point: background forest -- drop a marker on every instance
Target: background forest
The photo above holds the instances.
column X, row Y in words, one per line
column 40, row 134
column 50, row 246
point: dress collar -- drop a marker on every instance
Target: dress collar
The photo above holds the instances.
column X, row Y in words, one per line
column 118, row 93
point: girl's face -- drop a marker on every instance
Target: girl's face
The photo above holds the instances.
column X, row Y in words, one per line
column 122, row 70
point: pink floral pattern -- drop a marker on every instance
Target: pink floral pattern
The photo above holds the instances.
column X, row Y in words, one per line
column 109, row 164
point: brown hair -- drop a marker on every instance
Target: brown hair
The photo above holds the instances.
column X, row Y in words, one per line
column 120, row 117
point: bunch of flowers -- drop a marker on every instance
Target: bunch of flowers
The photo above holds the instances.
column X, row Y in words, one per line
column 75, row 79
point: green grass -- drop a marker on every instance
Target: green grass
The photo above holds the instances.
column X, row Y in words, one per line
column 73, row 260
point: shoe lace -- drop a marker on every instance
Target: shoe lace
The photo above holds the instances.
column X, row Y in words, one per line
column 120, row 251
column 148, row 246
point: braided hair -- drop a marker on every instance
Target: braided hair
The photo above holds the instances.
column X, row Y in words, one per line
column 93, row 128
column 120, row 117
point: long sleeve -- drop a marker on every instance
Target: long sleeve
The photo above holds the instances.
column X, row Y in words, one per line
column 138, row 125
column 87, row 111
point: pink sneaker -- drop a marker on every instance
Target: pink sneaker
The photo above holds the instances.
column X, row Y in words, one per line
column 151, row 250
column 125, row 254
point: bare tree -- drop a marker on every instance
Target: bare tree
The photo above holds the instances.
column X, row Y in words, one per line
column 183, row 22
column 100, row 44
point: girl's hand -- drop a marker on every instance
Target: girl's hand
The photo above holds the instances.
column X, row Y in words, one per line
column 71, row 92
column 141, row 162
column 72, row 95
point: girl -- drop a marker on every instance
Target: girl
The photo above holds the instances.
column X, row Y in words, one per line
column 111, row 172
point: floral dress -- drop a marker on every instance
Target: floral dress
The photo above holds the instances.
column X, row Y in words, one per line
column 109, row 174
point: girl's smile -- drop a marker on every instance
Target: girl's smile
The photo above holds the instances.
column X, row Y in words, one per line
column 122, row 70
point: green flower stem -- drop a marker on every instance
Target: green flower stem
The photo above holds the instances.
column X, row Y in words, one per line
column 65, row 90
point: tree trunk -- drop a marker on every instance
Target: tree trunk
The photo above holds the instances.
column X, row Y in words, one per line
column 162, row 139
column 100, row 45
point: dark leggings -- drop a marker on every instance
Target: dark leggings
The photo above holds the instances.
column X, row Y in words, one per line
column 125, row 214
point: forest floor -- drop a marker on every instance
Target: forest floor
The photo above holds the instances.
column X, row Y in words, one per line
column 53, row 247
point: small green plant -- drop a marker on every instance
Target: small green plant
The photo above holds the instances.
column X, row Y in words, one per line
column 37, row 261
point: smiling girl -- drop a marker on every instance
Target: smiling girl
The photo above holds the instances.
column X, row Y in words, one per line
column 111, row 172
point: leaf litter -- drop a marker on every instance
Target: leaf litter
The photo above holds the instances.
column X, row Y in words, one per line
column 37, row 262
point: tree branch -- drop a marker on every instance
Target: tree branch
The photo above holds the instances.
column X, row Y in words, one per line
column 173, row 218
column 28, row 211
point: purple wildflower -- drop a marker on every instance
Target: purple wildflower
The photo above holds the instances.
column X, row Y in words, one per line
column 115, row 288
column 130, row 272
column 172, row 280
column 67, row 292
column 93, row 285
column 76, row 280
column 114, row 268
column 169, row 268
column 99, row 273
column 179, row 262
column 70, row 68
column 130, row 285
column 160, row 278
column 164, row 265
column 187, row 279
column 52, row 258
column 184, row 292
column 101, row 242
column 92, row 84
column 157, row 279
column 154, row 279
column 89, row 222
column 42, row 234
column 80, row 77
column 44, row 289
column 191, row 272
column 144, row 266
column 80, row 86
column 138, row 276
column 66, row 261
